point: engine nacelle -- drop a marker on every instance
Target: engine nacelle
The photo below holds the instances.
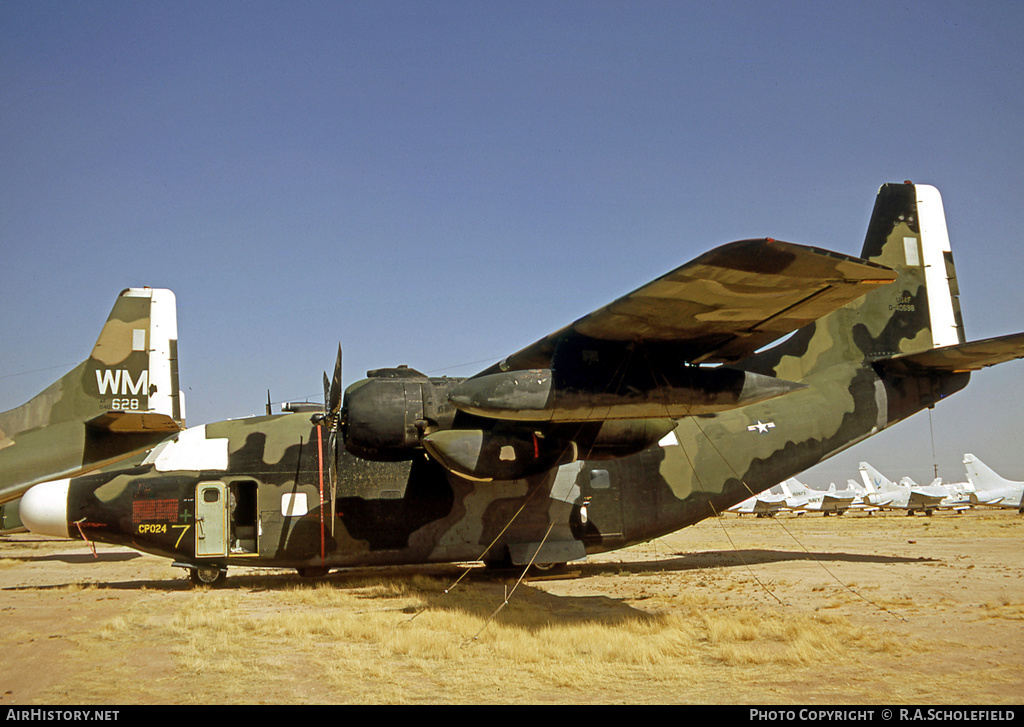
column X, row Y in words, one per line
column 497, row 455
column 541, row 395
column 386, row 415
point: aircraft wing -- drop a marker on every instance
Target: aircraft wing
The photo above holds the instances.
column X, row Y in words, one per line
column 722, row 306
column 924, row 497
column 968, row 356
column 631, row 359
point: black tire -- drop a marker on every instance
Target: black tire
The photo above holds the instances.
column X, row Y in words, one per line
column 315, row 571
column 208, row 576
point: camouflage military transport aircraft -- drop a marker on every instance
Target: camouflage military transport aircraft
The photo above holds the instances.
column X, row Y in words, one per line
column 654, row 412
column 124, row 398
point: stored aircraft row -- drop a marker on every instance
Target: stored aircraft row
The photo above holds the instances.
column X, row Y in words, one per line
column 667, row 406
column 875, row 492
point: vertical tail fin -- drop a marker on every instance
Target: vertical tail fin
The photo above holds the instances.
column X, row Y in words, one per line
column 129, row 383
column 984, row 477
column 796, row 487
column 874, row 481
column 921, row 310
column 918, row 312
column 131, row 377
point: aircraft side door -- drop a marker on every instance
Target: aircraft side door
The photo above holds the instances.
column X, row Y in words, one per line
column 211, row 520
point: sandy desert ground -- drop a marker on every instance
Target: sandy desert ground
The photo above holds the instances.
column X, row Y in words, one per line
column 790, row 610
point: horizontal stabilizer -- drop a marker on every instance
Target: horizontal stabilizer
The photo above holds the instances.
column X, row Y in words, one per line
column 967, row 356
column 125, row 422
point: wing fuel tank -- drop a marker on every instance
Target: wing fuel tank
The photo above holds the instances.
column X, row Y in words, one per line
column 537, row 395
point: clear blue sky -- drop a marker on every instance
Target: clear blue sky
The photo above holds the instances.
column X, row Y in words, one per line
column 441, row 183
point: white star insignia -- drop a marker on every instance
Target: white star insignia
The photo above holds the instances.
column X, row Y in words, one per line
column 761, row 427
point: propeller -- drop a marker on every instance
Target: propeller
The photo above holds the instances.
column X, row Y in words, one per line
column 331, row 417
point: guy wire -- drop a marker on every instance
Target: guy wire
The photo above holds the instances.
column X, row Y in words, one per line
column 729, row 537
column 696, row 474
column 786, row 530
column 728, row 464
column 618, row 373
column 465, row 572
column 508, row 594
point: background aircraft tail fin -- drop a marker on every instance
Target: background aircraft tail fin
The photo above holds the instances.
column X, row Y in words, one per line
column 796, row 487
column 874, row 481
column 982, row 476
column 129, row 383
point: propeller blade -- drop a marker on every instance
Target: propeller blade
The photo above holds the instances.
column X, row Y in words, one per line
column 334, row 391
column 332, row 469
column 332, row 399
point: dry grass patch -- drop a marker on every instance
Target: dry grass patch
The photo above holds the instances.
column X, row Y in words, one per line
column 627, row 631
column 405, row 640
column 751, row 637
column 386, row 641
column 1005, row 606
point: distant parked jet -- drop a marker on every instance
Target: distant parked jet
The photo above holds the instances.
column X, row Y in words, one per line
column 801, row 498
column 991, row 489
column 888, row 495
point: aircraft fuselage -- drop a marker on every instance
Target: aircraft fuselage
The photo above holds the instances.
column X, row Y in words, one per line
column 256, row 491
